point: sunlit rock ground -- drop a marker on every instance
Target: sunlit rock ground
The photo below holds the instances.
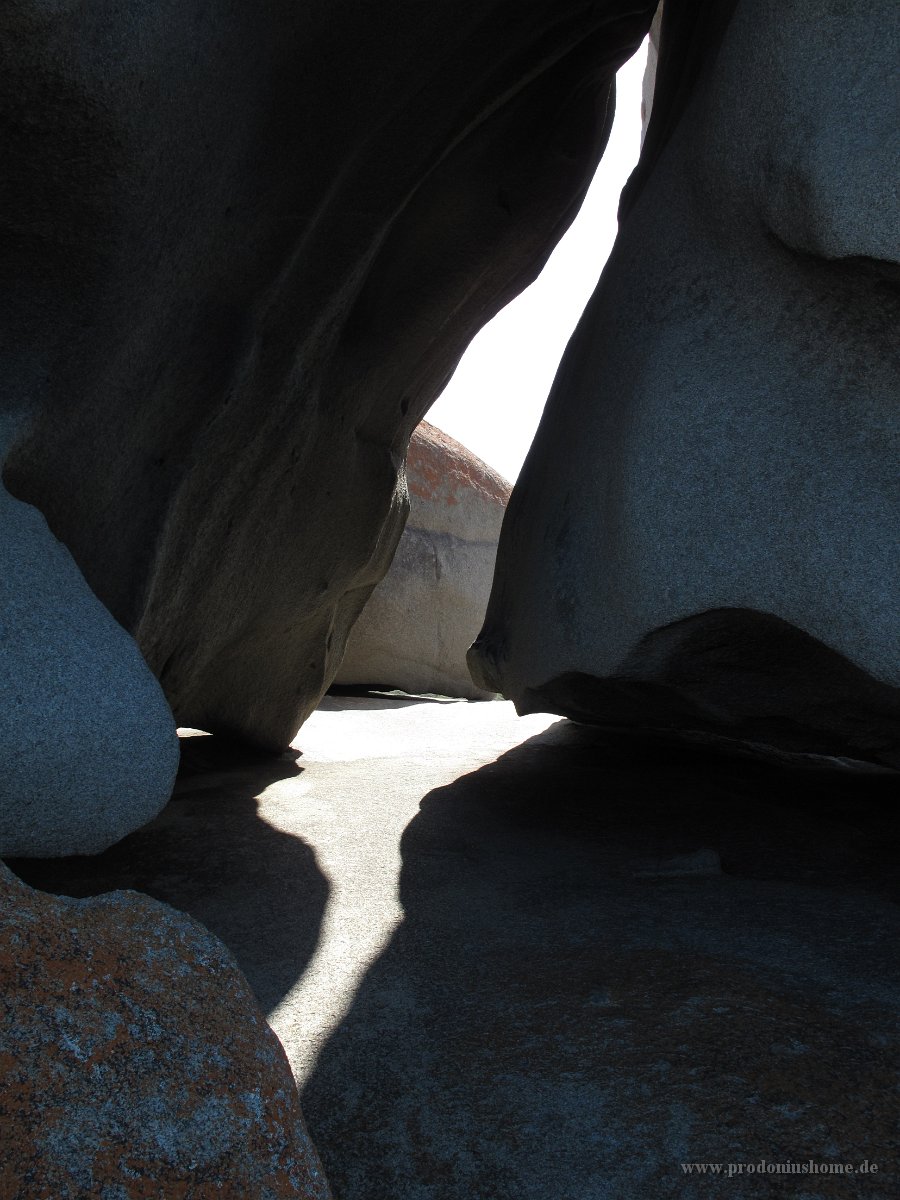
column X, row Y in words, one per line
column 514, row 959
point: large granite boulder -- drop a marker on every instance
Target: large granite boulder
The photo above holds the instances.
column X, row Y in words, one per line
column 705, row 531
column 419, row 622
column 242, row 247
column 134, row 1061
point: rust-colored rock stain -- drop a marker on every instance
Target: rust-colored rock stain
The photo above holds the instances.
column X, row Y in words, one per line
column 134, row 1061
column 440, row 469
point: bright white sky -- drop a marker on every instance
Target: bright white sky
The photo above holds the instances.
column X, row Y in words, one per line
column 494, row 401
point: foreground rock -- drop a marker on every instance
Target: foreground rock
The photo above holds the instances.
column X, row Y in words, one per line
column 88, row 749
column 419, row 622
column 251, row 243
column 134, row 1061
column 705, row 531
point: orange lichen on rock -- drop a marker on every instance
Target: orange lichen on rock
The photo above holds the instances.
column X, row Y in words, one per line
column 439, row 468
column 134, row 1061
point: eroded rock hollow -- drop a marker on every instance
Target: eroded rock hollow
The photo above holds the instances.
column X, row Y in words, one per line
column 243, row 248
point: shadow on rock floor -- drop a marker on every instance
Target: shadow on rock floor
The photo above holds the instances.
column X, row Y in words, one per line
column 209, row 854
column 614, row 955
column 619, row 956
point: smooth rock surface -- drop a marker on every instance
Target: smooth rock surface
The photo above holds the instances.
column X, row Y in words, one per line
column 706, row 525
column 88, row 750
column 649, row 81
column 606, row 956
column 134, row 1062
column 241, row 249
column 419, row 622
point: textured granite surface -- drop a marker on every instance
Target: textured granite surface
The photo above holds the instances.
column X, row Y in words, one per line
column 134, row 1061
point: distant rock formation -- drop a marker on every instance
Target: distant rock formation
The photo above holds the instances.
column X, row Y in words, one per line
column 421, row 619
column 134, row 1060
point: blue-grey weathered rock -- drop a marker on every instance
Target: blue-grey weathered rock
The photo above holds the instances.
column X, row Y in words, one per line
column 88, row 750
column 706, row 529
column 419, row 622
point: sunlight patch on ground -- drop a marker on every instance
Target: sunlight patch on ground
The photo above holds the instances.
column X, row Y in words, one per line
column 361, row 754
